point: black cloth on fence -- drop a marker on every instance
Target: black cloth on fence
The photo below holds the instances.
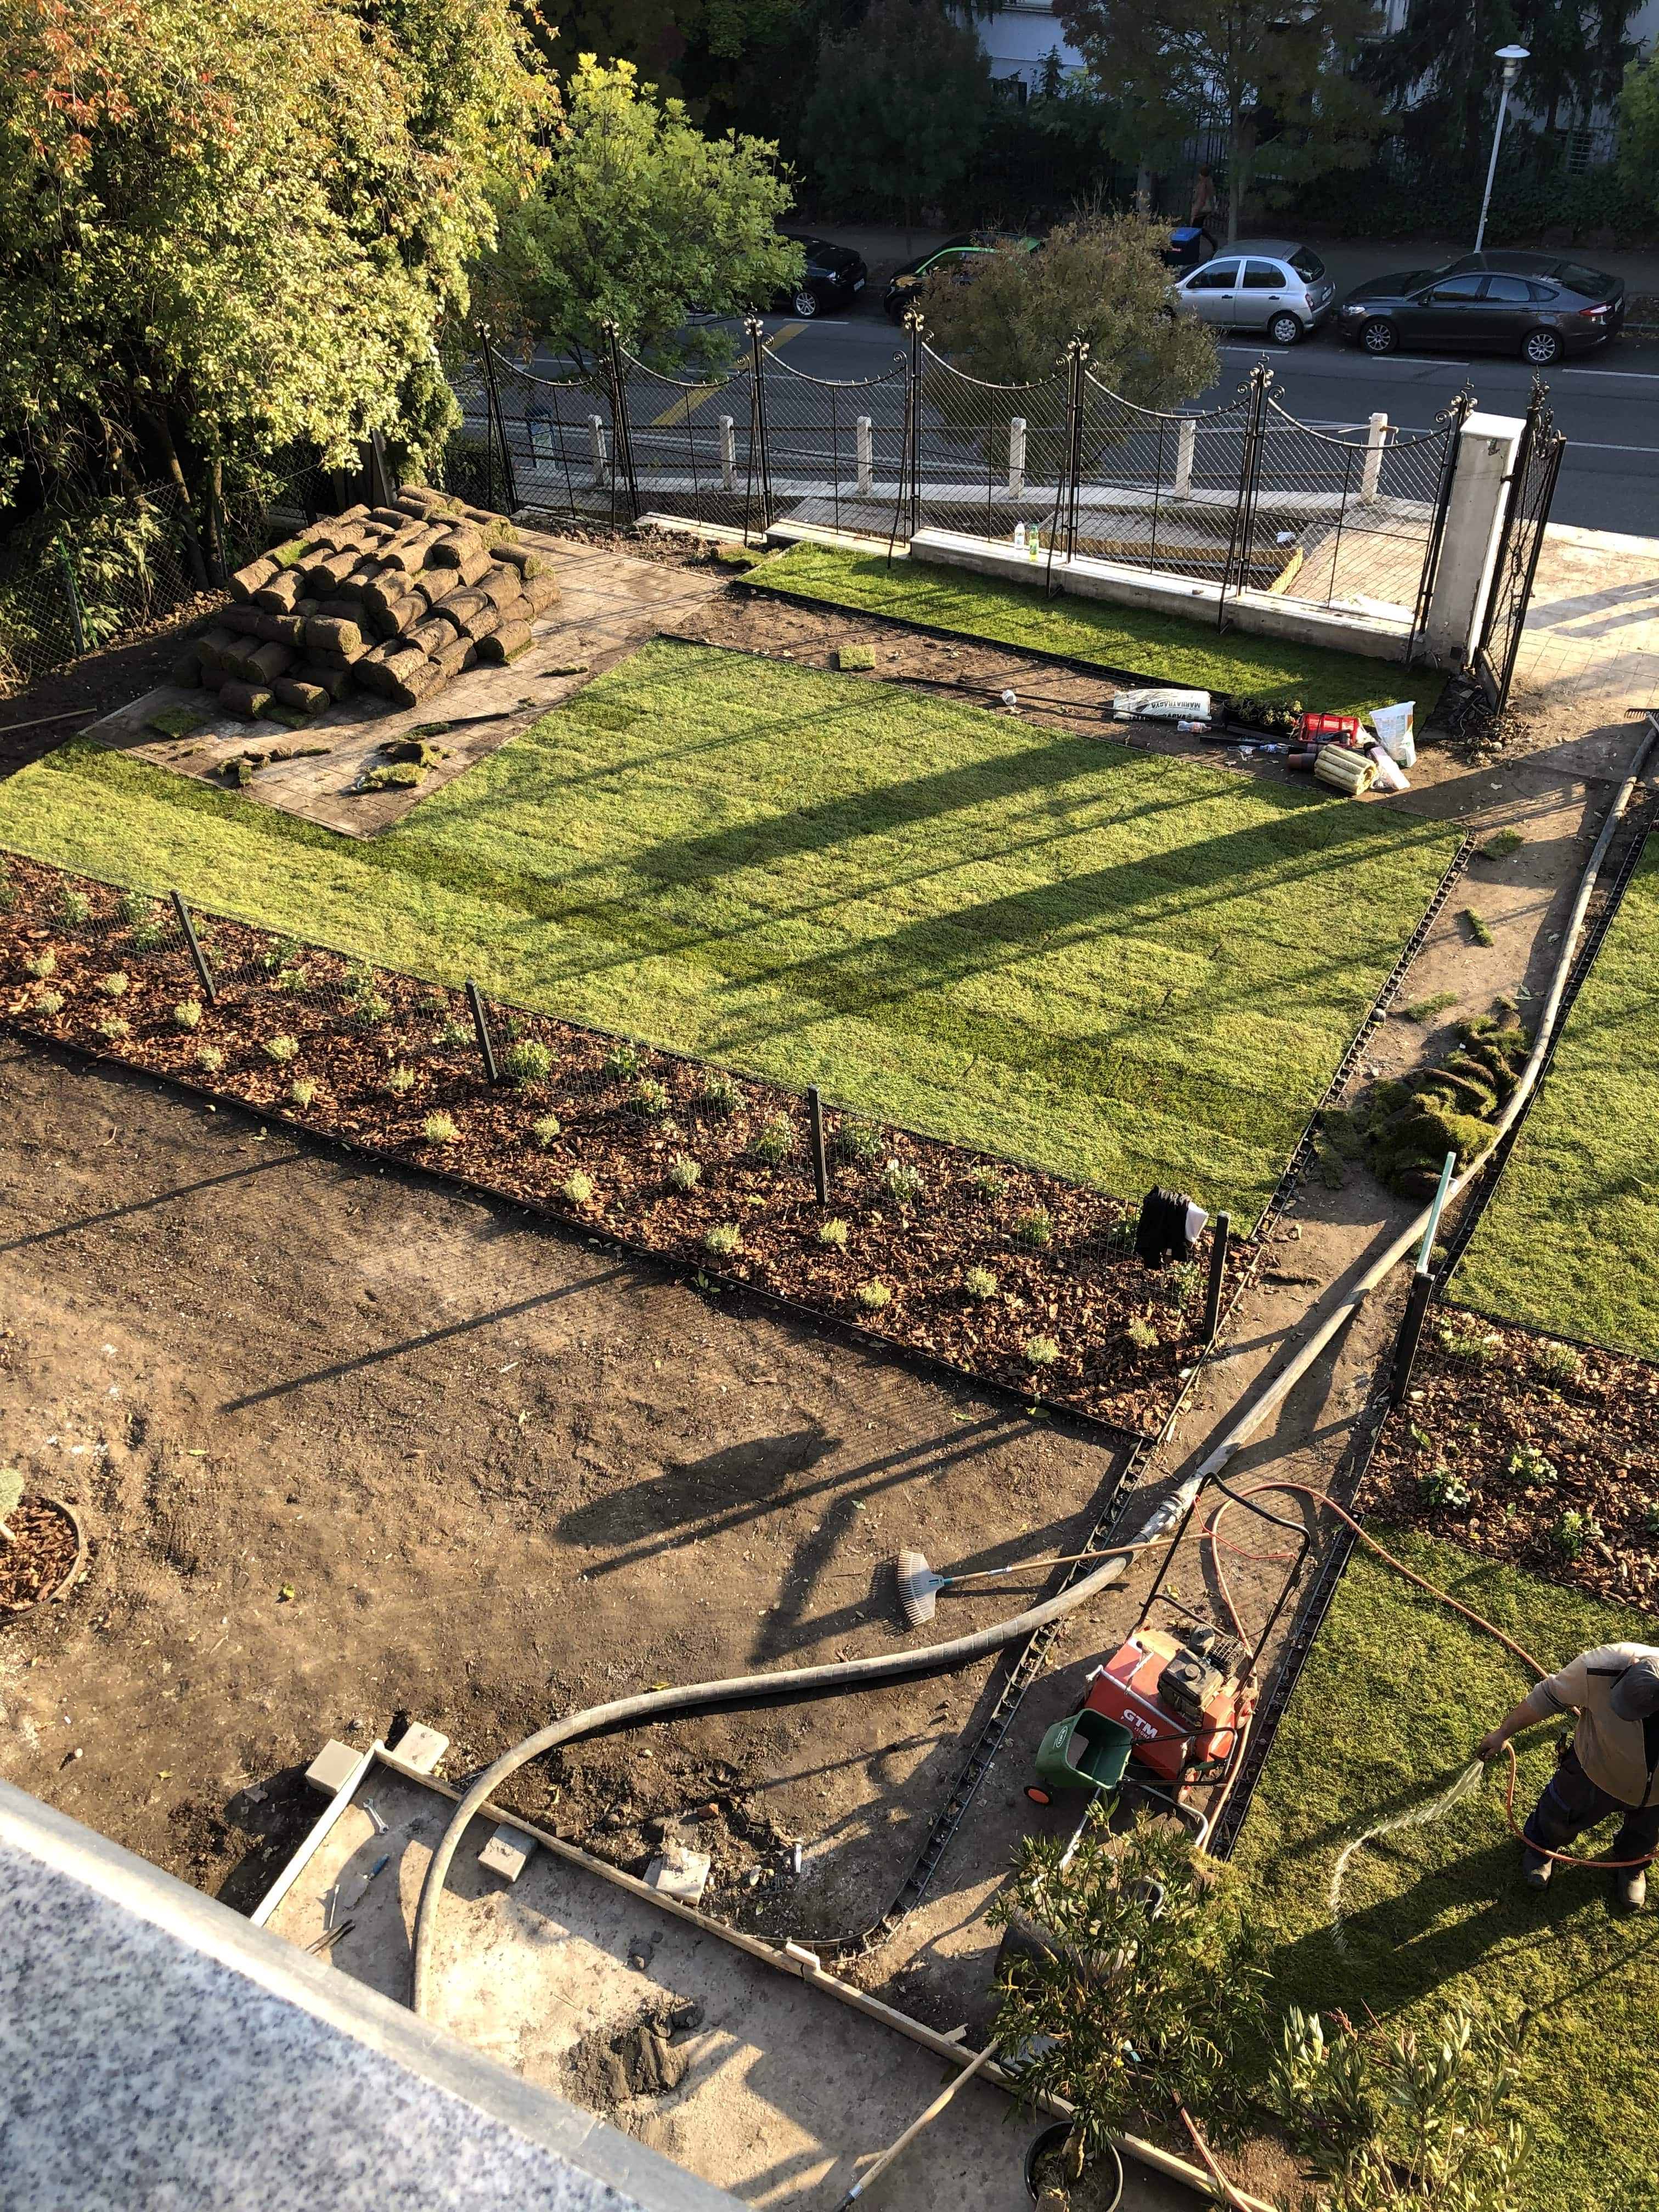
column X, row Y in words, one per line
column 1163, row 1228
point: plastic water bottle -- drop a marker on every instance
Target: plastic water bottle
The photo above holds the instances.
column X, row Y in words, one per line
column 1019, row 537
column 1033, row 541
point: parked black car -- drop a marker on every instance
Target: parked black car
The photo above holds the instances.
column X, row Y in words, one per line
column 1540, row 306
column 833, row 276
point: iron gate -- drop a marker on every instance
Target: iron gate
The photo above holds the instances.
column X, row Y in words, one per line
column 1532, row 488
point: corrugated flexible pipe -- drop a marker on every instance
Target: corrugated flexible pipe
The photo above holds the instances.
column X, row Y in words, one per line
column 794, row 1685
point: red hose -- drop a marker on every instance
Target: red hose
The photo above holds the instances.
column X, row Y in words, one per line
column 1323, row 1497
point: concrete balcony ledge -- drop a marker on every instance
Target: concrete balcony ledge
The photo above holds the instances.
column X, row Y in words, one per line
column 1374, row 630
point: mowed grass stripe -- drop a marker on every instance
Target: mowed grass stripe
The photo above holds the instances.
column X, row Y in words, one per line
column 1160, row 649
column 1121, row 966
column 1385, row 1714
column 1570, row 1240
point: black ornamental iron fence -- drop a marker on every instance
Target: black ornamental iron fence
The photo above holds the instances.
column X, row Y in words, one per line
column 1240, row 497
column 1521, row 540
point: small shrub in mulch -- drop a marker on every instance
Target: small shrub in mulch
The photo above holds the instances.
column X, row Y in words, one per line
column 1013, row 1276
column 1529, row 1450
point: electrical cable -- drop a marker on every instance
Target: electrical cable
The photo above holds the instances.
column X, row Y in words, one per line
column 792, row 1686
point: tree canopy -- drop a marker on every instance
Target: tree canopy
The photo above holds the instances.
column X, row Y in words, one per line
column 898, row 107
column 225, row 225
column 641, row 218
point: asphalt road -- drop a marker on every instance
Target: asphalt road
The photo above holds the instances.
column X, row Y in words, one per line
column 1607, row 403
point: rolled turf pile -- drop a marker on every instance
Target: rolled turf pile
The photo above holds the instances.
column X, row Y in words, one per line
column 1406, row 1129
column 396, row 599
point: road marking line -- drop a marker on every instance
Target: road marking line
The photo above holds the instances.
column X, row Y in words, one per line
column 1589, row 445
column 684, row 408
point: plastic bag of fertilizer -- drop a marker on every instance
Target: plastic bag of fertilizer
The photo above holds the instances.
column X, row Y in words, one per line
column 1392, row 726
column 1161, row 706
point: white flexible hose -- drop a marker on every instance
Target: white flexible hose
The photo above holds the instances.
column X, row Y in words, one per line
column 795, row 1684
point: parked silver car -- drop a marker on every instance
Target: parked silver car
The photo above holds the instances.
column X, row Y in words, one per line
column 1269, row 284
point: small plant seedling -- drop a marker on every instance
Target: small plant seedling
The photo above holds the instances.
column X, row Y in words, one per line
column 1423, row 1011
column 302, row 1090
column 187, row 1014
column 1036, row 1228
column 1479, row 930
column 902, row 1182
column 149, row 932
column 11, row 1497
column 293, row 980
column 986, row 1183
column 1141, row 1333
column 860, row 1140
column 1181, row 1282
column 683, row 1172
column 1421, row 1438
column 1478, row 1346
column 454, row 1033
column 40, row 965
column 775, row 1140
column 577, row 1188
column 527, row 1063
column 1650, row 1521
column 73, row 910
column 1042, row 1351
column 719, row 1095
column 1554, row 1364
column 1574, row 1530
column 49, row 1002
column 873, row 1296
column 546, row 1130
column 1500, row 845
column 723, row 1239
column 114, row 987
column 1441, row 1485
column 209, row 1057
column 439, row 1129
column 399, row 1080
column 833, row 1232
column 1527, row 1464
column 282, row 1049
column 622, row 1063
column 980, row 1284
column 650, row 1099
column 115, row 1029
column 370, row 1009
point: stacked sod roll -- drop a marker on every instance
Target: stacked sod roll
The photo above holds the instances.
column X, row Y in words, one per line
column 397, row 600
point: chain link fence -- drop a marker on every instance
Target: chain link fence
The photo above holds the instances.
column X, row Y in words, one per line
column 71, row 584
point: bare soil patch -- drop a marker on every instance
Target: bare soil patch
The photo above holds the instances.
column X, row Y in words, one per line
column 1551, row 1455
column 351, row 1447
column 392, row 1066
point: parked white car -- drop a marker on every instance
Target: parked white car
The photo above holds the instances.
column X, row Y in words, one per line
column 1269, row 284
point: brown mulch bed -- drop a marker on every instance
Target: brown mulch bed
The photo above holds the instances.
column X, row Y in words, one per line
column 32, row 1567
column 1059, row 1252
column 1534, row 1432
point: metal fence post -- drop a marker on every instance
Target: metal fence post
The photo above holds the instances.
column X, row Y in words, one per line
column 1376, row 437
column 1016, row 457
column 757, row 447
column 204, row 974
column 1076, row 354
column 1243, row 530
column 497, row 421
column 1219, row 1237
column 621, row 441
column 912, row 323
column 815, row 1130
column 481, row 1030
column 77, row 612
column 1411, row 1335
column 866, row 447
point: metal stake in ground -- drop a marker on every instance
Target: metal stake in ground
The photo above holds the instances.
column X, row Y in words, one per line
column 481, row 1030
column 1218, row 1236
column 815, row 1132
column 1417, row 1303
column 203, row 972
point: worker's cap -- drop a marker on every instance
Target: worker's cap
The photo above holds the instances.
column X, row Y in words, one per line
column 1635, row 1695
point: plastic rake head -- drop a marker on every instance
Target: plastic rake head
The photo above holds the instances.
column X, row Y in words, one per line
column 918, row 1587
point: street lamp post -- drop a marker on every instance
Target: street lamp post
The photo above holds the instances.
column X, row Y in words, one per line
column 1511, row 58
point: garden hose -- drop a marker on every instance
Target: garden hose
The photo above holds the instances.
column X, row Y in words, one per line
column 792, row 1686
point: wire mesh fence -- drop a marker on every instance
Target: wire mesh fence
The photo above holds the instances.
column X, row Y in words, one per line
column 835, row 449
column 1159, row 490
column 69, row 585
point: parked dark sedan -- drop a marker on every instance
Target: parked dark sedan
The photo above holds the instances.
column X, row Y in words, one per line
column 833, row 276
column 1538, row 305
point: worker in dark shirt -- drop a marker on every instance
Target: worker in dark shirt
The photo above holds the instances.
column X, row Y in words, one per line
column 1611, row 1766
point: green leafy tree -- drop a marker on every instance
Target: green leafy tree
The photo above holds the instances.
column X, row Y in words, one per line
column 642, row 218
column 900, row 103
column 1280, row 81
column 1099, row 278
column 1140, row 1998
column 1638, row 133
column 228, row 225
column 1407, row 2122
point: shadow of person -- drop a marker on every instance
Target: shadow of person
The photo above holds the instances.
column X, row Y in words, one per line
column 734, row 1485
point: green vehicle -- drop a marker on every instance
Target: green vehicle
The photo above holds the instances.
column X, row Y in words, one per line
column 955, row 257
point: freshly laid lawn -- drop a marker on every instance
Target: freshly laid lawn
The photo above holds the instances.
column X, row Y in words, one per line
column 1393, row 1696
column 1162, row 648
column 1111, row 963
column 1571, row 1238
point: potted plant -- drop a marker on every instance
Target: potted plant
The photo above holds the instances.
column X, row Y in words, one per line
column 1126, row 1990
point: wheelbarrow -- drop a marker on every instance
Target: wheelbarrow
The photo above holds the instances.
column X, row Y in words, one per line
column 1085, row 1751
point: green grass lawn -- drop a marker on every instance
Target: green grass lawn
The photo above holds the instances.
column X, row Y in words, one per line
column 1571, row 1238
column 1162, row 648
column 1386, row 1713
column 1112, row 963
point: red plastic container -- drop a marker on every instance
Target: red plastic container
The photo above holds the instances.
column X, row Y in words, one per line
column 1327, row 730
